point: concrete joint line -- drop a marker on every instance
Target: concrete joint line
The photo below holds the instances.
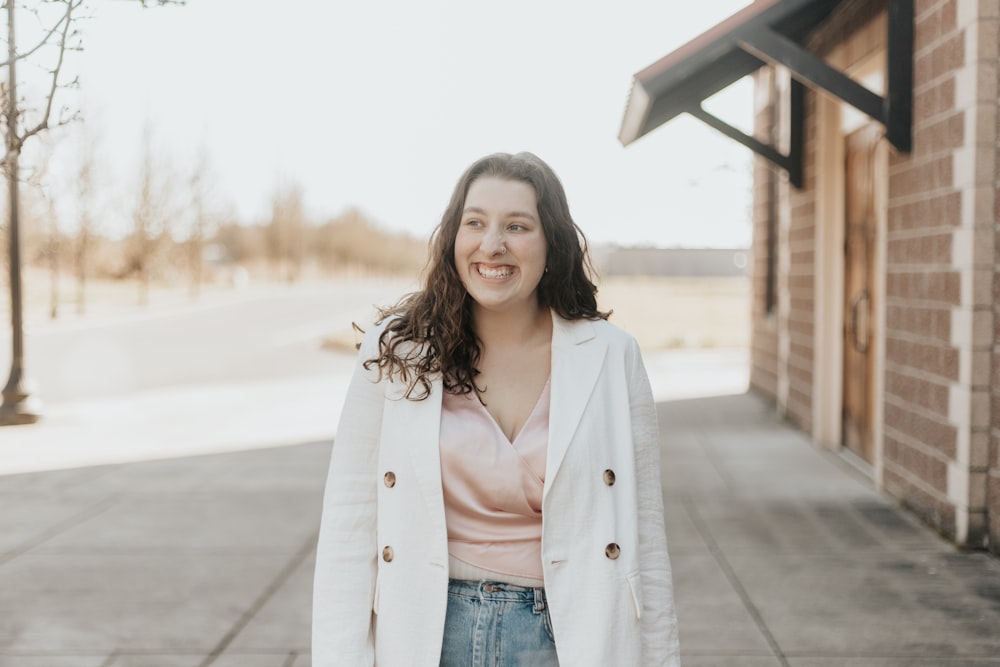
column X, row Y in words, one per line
column 734, row 581
column 268, row 592
column 715, row 460
column 82, row 516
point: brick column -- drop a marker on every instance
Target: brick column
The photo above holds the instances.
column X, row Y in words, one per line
column 973, row 259
column 924, row 286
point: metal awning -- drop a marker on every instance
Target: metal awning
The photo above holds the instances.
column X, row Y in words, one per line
column 770, row 32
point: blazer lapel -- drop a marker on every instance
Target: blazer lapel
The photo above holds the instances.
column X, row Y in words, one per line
column 577, row 360
column 420, row 426
column 415, row 426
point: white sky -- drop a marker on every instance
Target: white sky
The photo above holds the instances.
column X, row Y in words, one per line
column 381, row 105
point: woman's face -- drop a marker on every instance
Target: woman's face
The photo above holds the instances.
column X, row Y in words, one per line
column 500, row 247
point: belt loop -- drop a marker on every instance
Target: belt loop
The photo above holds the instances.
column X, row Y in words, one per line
column 539, row 599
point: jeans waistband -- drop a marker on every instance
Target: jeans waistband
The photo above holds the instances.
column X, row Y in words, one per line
column 499, row 591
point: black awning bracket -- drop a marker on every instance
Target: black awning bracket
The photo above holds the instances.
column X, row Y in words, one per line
column 790, row 161
column 771, row 32
column 894, row 110
column 777, row 49
column 899, row 97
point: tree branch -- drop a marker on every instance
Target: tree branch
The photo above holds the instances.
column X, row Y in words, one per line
column 43, row 124
column 44, row 41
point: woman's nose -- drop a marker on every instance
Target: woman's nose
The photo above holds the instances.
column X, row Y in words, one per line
column 493, row 242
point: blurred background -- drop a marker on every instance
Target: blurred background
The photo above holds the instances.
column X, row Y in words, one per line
column 199, row 180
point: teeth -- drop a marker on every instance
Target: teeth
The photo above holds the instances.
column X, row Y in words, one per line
column 504, row 272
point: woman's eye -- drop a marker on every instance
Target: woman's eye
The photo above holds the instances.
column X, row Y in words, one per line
column 472, row 223
column 516, row 227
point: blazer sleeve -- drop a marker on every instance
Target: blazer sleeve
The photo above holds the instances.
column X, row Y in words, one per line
column 658, row 621
column 344, row 581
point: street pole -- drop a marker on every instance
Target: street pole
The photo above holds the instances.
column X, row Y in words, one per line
column 18, row 406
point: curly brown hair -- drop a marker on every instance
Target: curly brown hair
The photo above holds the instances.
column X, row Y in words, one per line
column 431, row 331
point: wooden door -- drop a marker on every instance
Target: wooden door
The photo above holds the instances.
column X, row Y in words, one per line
column 859, row 271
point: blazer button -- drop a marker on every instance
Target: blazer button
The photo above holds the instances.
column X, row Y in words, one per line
column 612, row 551
column 390, row 479
column 609, row 477
column 387, row 554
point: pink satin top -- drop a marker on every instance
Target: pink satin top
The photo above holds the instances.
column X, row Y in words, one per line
column 493, row 487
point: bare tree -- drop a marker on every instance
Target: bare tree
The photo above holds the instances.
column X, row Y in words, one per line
column 85, row 190
column 57, row 34
column 18, row 405
column 151, row 217
column 201, row 220
column 286, row 232
column 42, row 184
column 354, row 242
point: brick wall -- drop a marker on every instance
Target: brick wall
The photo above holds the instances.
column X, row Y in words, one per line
column 782, row 345
column 923, row 288
column 941, row 268
column 763, row 336
column 993, row 483
column 801, row 244
column 974, row 256
column 993, row 489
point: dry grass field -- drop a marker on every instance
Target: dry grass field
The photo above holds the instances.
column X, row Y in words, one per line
column 668, row 312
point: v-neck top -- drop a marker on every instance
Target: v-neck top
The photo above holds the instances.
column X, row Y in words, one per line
column 493, row 487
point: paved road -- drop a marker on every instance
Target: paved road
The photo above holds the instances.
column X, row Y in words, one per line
column 260, row 334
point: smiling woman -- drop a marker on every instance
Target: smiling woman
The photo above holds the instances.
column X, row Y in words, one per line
column 500, row 253
column 500, row 247
column 494, row 493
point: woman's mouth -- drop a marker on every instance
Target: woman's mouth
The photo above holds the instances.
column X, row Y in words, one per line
column 495, row 272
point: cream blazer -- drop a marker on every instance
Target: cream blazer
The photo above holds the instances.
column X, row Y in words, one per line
column 380, row 586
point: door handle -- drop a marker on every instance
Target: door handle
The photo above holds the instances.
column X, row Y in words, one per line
column 860, row 343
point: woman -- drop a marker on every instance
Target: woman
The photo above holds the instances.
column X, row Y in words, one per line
column 494, row 488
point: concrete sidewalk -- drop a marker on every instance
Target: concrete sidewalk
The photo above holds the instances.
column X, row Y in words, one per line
column 783, row 555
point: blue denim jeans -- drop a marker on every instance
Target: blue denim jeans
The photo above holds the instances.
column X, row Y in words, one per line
column 492, row 624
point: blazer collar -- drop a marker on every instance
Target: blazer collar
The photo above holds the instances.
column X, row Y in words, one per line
column 571, row 332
